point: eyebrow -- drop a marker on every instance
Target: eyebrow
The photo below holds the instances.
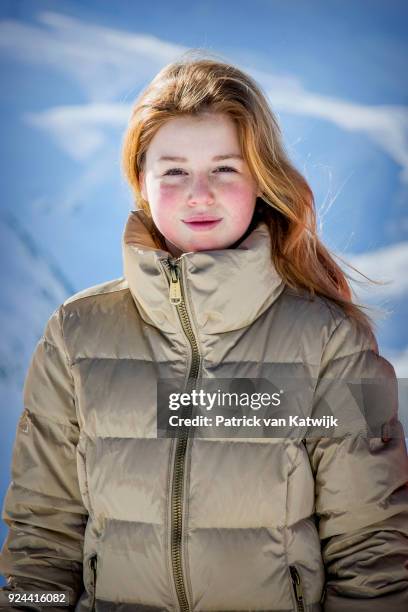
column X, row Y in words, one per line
column 216, row 158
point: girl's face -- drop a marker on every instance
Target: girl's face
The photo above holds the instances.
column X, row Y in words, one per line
column 199, row 188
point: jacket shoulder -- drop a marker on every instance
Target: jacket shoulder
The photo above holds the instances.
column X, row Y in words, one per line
column 87, row 308
column 319, row 317
column 317, row 307
column 80, row 306
column 97, row 314
column 97, row 292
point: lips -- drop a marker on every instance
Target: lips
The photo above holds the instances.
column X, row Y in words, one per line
column 201, row 218
column 202, row 223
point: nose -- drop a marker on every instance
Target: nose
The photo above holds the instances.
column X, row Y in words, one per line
column 201, row 192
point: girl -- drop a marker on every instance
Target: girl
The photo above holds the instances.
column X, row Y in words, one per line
column 224, row 278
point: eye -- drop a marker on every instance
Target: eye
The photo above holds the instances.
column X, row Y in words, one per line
column 226, row 168
column 173, row 170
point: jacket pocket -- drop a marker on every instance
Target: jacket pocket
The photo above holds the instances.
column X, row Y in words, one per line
column 93, row 563
column 81, row 457
column 297, row 588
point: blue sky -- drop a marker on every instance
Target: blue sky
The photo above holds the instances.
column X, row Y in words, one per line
column 334, row 73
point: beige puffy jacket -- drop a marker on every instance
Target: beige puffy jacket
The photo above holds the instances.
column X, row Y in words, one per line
column 126, row 521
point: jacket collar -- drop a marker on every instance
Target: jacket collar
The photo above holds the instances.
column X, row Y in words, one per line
column 225, row 289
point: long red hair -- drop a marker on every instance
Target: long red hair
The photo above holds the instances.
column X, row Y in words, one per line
column 191, row 86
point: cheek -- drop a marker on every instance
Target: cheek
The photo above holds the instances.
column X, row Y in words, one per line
column 240, row 201
column 164, row 205
column 165, row 200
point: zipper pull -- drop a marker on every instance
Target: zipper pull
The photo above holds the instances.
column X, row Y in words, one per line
column 175, row 288
column 24, row 423
column 297, row 585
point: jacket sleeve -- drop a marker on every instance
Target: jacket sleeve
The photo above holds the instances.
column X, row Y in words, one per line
column 361, row 488
column 43, row 506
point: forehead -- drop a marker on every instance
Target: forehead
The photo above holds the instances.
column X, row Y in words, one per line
column 212, row 134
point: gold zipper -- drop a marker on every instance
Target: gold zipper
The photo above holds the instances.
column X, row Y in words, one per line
column 175, row 285
column 176, row 298
column 93, row 563
column 297, row 587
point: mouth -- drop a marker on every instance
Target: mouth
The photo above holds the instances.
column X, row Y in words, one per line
column 202, row 225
